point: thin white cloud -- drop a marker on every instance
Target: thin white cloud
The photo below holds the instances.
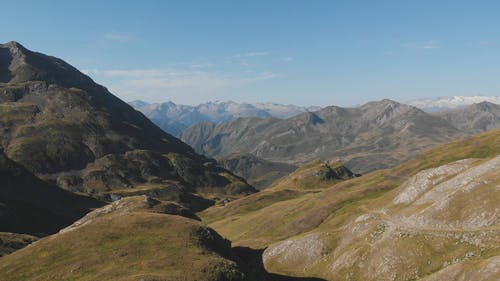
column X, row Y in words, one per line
column 253, row 54
column 422, row 45
column 164, row 84
column 489, row 42
column 285, row 59
column 114, row 36
column 261, row 76
column 257, row 54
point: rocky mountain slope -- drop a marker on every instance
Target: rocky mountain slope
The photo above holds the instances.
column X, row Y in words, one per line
column 474, row 118
column 66, row 129
column 373, row 136
column 174, row 118
column 454, row 102
column 432, row 218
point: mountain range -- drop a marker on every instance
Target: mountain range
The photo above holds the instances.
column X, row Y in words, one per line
column 469, row 115
column 174, row 118
column 373, row 136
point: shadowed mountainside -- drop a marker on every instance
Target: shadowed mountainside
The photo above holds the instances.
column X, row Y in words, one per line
column 30, row 205
column 10, row 242
column 68, row 130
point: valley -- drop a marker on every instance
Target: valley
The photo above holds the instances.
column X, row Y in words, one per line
column 91, row 189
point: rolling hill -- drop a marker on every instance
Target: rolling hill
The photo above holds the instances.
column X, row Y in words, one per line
column 136, row 238
column 108, row 243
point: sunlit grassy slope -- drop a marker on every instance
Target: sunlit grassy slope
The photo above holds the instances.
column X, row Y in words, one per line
column 280, row 213
column 132, row 239
column 433, row 217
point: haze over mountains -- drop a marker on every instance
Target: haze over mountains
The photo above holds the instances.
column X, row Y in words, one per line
column 174, row 118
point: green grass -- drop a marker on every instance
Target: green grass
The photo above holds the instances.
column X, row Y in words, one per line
column 118, row 246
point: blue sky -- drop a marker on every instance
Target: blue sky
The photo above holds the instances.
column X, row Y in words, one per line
column 299, row 52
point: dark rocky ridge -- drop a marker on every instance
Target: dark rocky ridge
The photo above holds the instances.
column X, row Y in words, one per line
column 66, row 129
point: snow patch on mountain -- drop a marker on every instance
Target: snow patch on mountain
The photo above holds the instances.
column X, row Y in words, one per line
column 453, row 102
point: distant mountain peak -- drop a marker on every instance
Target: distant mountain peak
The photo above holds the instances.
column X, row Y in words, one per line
column 382, row 103
column 18, row 65
column 451, row 102
column 485, row 105
column 14, row 46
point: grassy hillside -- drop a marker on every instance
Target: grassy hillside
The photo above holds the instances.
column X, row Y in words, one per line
column 132, row 239
column 362, row 226
column 310, row 178
column 442, row 217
